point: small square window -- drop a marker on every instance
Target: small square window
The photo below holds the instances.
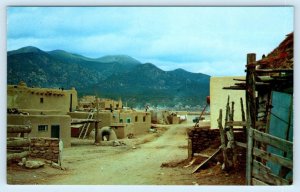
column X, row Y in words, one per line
column 41, row 100
column 42, row 128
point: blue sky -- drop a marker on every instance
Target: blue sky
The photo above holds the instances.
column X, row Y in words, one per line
column 211, row 40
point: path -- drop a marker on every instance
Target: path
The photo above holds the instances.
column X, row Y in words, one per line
column 135, row 166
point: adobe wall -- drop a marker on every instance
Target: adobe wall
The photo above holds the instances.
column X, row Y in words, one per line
column 23, row 97
column 124, row 131
column 106, row 117
column 45, row 148
column 218, row 98
column 202, row 138
column 64, row 121
column 143, row 123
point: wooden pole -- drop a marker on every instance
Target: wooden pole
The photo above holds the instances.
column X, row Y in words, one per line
column 231, row 138
column 18, row 129
column 249, row 156
column 16, row 156
column 223, row 140
column 18, row 143
column 97, row 122
column 250, row 112
column 243, row 113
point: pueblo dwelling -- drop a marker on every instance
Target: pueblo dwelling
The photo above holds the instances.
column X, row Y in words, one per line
column 44, row 109
column 123, row 121
column 51, row 113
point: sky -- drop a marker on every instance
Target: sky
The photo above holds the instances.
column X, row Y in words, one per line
column 210, row 40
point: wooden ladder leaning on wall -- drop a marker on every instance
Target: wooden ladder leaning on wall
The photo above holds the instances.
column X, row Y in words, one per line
column 86, row 126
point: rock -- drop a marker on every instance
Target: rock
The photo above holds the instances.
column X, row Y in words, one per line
column 134, row 147
column 48, row 161
column 20, row 164
column 34, row 164
column 151, row 130
column 116, row 143
column 24, row 160
column 55, row 165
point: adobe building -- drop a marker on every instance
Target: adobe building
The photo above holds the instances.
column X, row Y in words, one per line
column 37, row 100
column 54, row 126
column 45, row 109
column 89, row 102
column 219, row 96
column 124, row 122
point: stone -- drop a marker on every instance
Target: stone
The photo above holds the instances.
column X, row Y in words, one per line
column 34, row 164
column 116, row 143
column 55, row 165
column 24, row 160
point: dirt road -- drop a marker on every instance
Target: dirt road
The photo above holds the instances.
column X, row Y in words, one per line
column 136, row 163
column 129, row 165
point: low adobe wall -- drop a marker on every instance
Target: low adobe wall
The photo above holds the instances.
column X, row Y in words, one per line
column 45, row 148
column 202, row 138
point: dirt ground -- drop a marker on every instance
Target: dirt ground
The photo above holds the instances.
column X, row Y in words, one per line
column 153, row 159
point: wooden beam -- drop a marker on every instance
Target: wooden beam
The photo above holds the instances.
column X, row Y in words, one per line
column 207, row 160
column 277, row 142
column 274, row 70
column 18, row 129
column 249, row 155
column 262, row 173
column 18, row 143
column 223, row 140
column 273, row 157
column 239, row 79
column 240, row 144
column 236, row 123
column 16, row 156
column 258, row 182
column 235, row 88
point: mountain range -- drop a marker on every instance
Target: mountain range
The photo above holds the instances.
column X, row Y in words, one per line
column 112, row 76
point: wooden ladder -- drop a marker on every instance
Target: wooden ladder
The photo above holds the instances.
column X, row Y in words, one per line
column 86, row 126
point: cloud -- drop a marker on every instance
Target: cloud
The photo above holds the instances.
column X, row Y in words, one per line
column 193, row 38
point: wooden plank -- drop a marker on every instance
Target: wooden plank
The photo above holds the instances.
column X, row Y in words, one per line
column 239, row 79
column 240, row 144
column 249, row 155
column 258, row 182
column 273, row 157
column 262, row 173
column 236, row 123
column 18, row 143
column 274, row 70
column 277, row 142
column 207, row 160
column 16, row 156
column 235, row 88
column 18, row 129
column 223, row 140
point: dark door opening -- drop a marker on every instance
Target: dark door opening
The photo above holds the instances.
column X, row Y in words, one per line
column 55, row 130
column 71, row 98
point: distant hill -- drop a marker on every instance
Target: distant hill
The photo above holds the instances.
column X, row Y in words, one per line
column 114, row 76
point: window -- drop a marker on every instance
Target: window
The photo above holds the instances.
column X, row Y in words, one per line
column 136, row 118
column 128, row 120
column 121, row 120
column 144, row 118
column 41, row 100
column 42, row 128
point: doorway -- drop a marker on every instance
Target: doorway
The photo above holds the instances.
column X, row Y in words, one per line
column 55, row 130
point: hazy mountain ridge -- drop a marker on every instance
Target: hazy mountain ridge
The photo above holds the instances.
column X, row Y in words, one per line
column 109, row 76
